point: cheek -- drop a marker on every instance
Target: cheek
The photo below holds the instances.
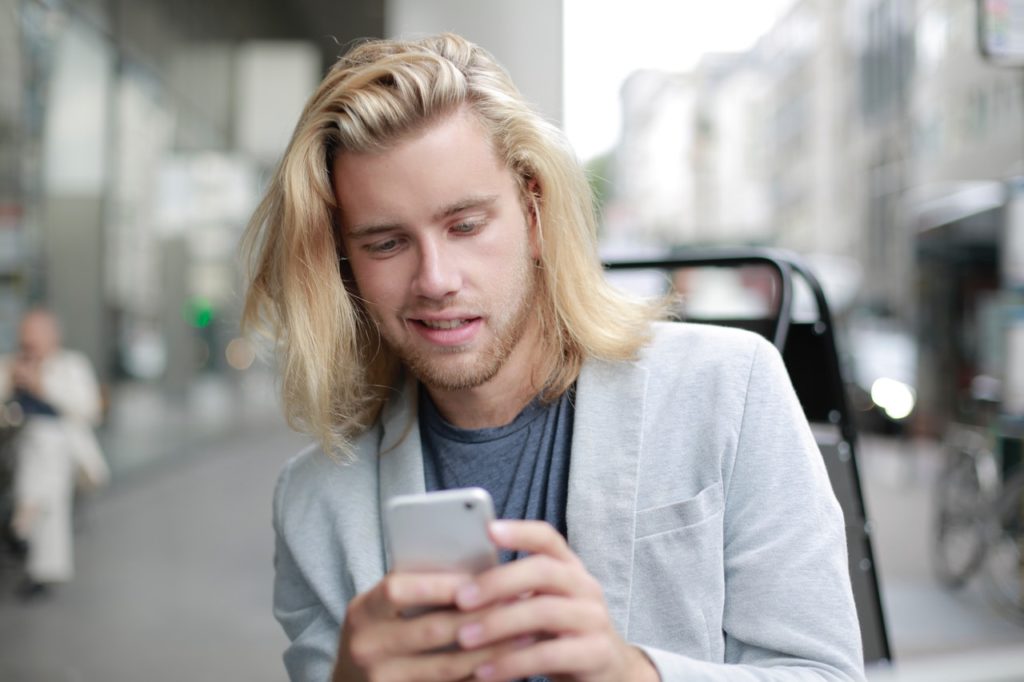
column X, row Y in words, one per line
column 377, row 284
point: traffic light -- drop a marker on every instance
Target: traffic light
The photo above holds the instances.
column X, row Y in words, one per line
column 198, row 312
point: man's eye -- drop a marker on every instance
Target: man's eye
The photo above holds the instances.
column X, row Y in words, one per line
column 383, row 247
column 467, row 227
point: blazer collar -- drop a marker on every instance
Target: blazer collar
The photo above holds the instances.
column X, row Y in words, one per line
column 400, row 463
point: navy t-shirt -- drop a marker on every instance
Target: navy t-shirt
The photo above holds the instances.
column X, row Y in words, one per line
column 524, row 465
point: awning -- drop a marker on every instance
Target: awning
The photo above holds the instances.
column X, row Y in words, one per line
column 934, row 206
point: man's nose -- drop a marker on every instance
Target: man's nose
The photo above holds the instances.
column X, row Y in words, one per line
column 438, row 274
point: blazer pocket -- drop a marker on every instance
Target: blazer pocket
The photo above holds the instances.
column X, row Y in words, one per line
column 706, row 504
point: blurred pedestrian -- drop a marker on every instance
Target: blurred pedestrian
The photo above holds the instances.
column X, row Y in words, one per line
column 57, row 392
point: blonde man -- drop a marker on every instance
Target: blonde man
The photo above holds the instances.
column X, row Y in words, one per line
column 425, row 260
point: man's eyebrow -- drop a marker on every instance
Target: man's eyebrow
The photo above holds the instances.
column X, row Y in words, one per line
column 465, row 204
column 370, row 229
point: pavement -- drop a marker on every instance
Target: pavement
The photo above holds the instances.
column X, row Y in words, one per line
column 173, row 560
column 935, row 634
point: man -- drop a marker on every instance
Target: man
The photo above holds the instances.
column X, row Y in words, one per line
column 56, row 391
column 425, row 260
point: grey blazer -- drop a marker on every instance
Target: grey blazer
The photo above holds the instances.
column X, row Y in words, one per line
column 697, row 497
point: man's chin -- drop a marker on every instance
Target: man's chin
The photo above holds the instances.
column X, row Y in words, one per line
column 453, row 376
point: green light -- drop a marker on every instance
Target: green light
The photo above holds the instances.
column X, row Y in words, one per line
column 198, row 312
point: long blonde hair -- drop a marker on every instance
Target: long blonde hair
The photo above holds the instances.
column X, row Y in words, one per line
column 336, row 372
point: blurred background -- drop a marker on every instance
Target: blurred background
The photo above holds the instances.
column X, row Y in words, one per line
column 880, row 140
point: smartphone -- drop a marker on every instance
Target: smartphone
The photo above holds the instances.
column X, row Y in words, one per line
column 439, row 531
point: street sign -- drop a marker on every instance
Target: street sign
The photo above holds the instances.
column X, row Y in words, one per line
column 1001, row 31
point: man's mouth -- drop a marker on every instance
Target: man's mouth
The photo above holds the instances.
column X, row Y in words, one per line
column 444, row 324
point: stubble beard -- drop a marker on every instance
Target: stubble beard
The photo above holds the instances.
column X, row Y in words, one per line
column 435, row 370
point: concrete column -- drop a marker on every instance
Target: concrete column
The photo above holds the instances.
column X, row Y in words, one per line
column 179, row 337
column 75, row 176
column 525, row 36
column 73, row 248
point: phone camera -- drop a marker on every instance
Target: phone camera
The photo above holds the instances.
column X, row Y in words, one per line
column 468, row 505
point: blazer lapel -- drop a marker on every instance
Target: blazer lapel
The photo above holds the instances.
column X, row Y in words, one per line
column 602, row 502
column 607, row 435
column 401, row 458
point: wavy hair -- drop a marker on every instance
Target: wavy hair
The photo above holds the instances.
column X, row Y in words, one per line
column 335, row 369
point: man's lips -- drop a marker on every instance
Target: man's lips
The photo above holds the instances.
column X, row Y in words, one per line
column 453, row 323
column 447, row 331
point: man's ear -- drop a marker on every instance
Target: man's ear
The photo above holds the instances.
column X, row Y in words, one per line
column 532, row 200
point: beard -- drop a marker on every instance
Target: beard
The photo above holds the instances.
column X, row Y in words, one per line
column 453, row 369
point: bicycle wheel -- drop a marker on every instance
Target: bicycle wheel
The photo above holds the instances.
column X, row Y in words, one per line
column 958, row 537
column 1005, row 564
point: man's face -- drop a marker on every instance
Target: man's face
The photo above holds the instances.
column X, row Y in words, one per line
column 38, row 336
column 440, row 248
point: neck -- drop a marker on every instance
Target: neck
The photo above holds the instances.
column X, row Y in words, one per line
column 482, row 412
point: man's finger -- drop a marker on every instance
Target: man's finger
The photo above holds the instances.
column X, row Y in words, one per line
column 399, row 592
column 537, row 574
column 444, row 666
column 406, row 637
column 569, row 655
column 536, row 616
column 534, row 537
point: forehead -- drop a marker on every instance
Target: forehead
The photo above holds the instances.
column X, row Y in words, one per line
column 441, row 164
column 37, row 325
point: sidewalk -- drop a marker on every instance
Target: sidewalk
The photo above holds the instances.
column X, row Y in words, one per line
column 173, row 562
column 926, row 622
column 144, row 426
column 174, row 569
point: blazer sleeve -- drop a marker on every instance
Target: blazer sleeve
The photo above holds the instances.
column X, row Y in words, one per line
column 789, row 612
column 312, row 632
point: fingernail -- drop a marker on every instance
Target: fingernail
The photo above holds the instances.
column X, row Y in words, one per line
column 500, row 530
column 524, row 641
column 468, row 595
column 471, row 634
column 485, row 672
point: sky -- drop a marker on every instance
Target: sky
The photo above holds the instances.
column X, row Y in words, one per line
column 606, row 40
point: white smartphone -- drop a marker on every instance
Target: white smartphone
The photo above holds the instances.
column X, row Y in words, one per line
column 439, row 531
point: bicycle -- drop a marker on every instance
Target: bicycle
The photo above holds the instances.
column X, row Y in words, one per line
column 979, row 518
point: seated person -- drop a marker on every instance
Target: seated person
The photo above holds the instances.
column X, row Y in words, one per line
column 425, row 258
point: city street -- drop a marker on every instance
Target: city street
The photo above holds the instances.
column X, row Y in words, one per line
column 928, row 624
column 198, row 197
column 174, row 559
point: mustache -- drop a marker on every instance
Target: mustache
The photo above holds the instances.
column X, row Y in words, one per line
column 418, row 308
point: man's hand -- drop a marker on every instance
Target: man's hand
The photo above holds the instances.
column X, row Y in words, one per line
column 379, row 644
column 27, row 375
column 548, row 599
